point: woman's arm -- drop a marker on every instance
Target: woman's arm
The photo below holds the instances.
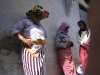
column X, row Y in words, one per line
column 59, row 43
column 25, row 40
column 88, row 38
column 17, row 28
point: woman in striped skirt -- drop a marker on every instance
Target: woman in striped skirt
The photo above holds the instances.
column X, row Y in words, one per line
column 33, row 36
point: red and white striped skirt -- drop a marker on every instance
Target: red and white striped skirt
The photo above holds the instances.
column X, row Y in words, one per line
column 31, row 65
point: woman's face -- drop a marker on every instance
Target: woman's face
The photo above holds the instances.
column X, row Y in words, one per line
column 66, row 29
column 81, row 26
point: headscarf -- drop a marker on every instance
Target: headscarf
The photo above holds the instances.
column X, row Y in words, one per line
column 62, row 27
column 36, row 12
column 84, row 29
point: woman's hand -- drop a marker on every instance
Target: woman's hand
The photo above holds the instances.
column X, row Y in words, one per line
column 69, row 43
column 28, row 42
column 86, row 43
column 25, row 40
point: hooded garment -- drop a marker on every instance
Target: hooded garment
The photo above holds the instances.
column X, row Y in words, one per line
column 62, row 27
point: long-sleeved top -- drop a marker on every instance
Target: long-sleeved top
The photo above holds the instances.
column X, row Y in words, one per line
column 62, row 40
column 30, row 30
column 84, row 37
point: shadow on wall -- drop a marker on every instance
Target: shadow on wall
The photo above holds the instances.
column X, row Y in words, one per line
column 10, row 43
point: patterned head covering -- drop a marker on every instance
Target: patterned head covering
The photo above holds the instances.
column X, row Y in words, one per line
column 38, row 8
column 62, row 27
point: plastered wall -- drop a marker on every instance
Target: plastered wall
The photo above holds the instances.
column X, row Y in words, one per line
column 12, row 11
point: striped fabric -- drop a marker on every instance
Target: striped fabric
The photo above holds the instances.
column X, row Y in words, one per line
column 31, row 65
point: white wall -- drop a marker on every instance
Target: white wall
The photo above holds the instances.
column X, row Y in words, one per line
column 83, row 15
column 11, row 11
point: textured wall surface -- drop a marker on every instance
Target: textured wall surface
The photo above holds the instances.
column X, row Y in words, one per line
column 11, row 11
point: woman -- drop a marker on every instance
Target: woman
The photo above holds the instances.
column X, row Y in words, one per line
column 83, row 38
column 33, row 35
column 64, row 44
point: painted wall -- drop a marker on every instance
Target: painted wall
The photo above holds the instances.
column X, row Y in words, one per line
column 12, row 11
